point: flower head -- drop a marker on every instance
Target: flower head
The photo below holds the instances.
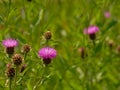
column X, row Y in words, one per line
column 26, row 48
column 48, row 35
column 91, row 30
column 107, row 14
column 10, row 72
column 10, row 43
column 17, row 59
column 47, row 54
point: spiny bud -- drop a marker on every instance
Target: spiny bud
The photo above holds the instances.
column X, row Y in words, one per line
column 48, row 35
column 26, row 48
column 10, row 72
column 118, row 49
column 110, row 43
column 23, row 68
column 17, row 59
column 81, row 50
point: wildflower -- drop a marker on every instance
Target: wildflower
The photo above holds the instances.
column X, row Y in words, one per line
column 47, row 54
column 107, row 14
column 9, row 44
column 17, row 59
column 26, row 48
column 91, row 31
column 47, row 35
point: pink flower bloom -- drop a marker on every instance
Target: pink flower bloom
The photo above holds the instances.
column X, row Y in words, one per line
column 107, row 14
column 47, row 53
column 10, row 43
column 91, row 30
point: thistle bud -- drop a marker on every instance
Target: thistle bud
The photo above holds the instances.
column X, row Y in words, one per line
column 26, row 49
column 17, row 59
column 10, row 72
column 81, row 50
column 48, row 35
column 118, row 49
column 110, row 43
column 23, row 68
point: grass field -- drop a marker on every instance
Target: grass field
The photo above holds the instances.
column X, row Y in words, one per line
column 80, row 64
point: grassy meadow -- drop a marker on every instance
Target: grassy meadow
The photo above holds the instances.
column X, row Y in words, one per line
column 80, row 63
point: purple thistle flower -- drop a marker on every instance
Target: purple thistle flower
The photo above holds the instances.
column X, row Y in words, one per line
column 9, row 44
column 107, row 14
column 47, row 53
column 91, row 30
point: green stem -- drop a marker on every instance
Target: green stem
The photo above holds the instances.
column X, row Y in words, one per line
column 93, row 42
column 9, row 5
column 47, row 42
column 25, row 55
column 10, row 83
column 15, row 77
column 40, row 80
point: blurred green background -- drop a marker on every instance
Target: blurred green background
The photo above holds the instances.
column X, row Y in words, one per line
column 27, row 21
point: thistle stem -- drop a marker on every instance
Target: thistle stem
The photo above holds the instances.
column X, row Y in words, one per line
column 9, row 6
column 15, row 77
column 93, row 42
column 40, row 80
column 25, row 55
column 10, row 83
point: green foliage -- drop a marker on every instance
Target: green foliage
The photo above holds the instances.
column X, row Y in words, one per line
column 27, row 21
